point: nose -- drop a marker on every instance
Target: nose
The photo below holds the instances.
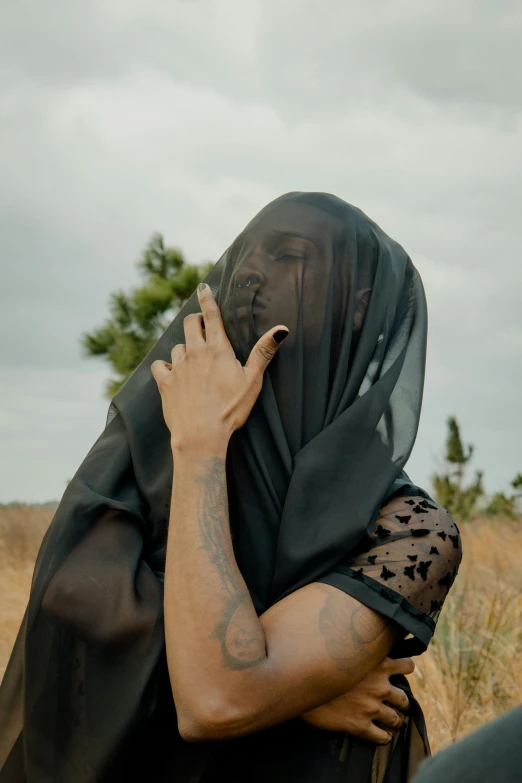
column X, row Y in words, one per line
column 249, row 275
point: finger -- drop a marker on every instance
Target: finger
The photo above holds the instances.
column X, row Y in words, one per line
column 178, row 353
column 400, row 665
column 265, row 349
column 398, row 699
column 160, row 371
column 390, row 717
column 193, row 326
column 379, row 736
column 214, row 329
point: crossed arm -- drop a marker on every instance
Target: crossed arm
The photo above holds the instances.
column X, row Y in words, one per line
column 232, row 672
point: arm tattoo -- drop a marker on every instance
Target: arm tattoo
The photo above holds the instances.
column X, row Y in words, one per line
column 346, row 631
column 239, row 632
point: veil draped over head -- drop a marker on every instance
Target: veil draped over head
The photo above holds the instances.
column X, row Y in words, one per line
column 325, row 444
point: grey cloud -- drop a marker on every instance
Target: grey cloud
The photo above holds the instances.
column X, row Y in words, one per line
column 294, row 54
column 466, row 53
column 122, row 118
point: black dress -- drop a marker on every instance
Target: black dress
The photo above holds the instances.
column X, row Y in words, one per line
column 403, row 570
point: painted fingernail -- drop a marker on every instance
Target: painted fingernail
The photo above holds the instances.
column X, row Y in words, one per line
column 280, row 335
column 202, row 286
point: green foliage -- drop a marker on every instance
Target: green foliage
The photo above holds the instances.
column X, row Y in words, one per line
column 502, row 505
column 461, row 501
column 138, row 318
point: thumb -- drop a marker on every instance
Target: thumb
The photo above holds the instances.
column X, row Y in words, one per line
column 265, row 349
column 160, row 370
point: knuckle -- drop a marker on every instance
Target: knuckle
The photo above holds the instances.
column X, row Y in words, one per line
column 217, row 346
column 383, row 739
column 265, row 351
column 400, row 700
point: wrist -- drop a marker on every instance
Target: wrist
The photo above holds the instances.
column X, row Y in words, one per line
column 215, row 445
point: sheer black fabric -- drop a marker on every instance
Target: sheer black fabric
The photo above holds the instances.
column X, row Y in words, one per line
column 86, row 695
column 405, row 567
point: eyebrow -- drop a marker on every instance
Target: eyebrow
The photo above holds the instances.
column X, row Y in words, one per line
column 291, row 235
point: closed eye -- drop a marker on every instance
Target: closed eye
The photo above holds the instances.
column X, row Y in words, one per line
column 291, row 257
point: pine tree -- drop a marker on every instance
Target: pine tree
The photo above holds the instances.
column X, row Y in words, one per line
column 450, row 491
column 503, row 505
column 138, row 318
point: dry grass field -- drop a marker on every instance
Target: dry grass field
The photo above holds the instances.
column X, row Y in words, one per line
column 472, row 671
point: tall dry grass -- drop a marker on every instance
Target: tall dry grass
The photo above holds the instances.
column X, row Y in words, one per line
column 472, row 671
column 21, row 531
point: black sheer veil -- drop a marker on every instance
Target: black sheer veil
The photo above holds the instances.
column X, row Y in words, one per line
column 325, row 444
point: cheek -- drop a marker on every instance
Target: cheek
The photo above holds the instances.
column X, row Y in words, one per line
column 315, row 293
column 280, row 291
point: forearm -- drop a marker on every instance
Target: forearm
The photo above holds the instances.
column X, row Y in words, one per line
column 214, row 637
column 231, row 672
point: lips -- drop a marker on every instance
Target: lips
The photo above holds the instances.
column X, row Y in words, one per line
column 243, row 303
column 244, row 310
column 260, row 302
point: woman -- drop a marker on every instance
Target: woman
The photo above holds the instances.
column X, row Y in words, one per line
column 299, row 558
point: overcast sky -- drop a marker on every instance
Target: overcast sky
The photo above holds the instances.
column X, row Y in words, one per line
column 124, row 117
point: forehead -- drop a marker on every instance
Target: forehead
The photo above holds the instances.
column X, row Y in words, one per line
column 294, row 218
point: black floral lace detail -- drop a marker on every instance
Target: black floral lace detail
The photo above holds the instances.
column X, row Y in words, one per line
column 411, row 558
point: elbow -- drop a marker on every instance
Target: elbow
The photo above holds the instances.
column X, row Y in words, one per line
column 59, row 602
column 214, row 721
column 83, row 613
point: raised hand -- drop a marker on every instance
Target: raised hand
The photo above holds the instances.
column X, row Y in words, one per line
column 206, row 393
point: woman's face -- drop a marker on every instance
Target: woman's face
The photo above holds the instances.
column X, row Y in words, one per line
column 282, row 265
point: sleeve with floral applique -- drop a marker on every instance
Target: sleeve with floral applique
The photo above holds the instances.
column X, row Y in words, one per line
column 405, row 567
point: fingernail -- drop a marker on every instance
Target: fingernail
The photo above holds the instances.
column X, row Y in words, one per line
column 202, row 286
column 280, row 335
